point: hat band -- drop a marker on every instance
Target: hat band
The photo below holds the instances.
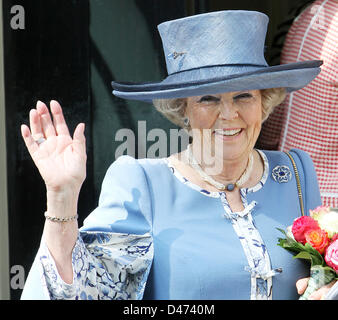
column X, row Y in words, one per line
column 150, row 86
column 171, row 82
column 221, row 65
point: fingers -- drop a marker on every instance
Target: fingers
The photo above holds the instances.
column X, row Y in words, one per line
column 79, row 139
column 31, row 145
column 301, row 285
column 42, row 126
column 320, row 293
column 35, row 125
column 60, row 125
column 41, row 123
column 47, row 125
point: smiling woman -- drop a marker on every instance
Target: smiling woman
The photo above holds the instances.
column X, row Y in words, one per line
column 234, row 121
column 200, row 224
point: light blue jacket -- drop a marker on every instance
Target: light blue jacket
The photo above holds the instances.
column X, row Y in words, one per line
column 155, row 235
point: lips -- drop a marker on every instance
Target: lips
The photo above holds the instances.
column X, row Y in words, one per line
column 228, row 132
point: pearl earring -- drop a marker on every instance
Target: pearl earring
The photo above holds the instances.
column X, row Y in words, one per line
column 186, row 121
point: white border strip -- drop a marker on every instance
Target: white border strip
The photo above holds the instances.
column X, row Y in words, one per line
column 4, row 249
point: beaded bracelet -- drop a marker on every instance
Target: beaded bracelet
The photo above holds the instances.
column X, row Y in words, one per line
column 57, row 219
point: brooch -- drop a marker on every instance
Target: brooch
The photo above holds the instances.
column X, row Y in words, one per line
column 175, row 54
column 281, row 174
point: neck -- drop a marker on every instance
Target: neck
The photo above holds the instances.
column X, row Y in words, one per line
column 220, row 169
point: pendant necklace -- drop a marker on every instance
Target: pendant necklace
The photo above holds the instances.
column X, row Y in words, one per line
column 220, row 186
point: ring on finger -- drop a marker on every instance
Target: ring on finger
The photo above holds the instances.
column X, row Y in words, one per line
column 40, row 140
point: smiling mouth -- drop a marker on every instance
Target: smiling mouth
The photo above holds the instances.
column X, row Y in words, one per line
column 228, row 132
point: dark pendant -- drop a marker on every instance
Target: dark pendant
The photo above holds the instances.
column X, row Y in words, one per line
column 230, row 187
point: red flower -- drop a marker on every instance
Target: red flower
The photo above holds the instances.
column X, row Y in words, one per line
column 302, row 225
column 318, row 239
column 331, row 255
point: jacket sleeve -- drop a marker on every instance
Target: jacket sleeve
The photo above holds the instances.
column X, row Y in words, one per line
column 114, row 250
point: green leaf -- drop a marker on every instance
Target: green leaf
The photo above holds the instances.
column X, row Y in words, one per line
column 303, row 255
column 311, row 254
column 303, row 251
column 290, row 244
column 317, row 258
column 330, row 270
column 282, row 231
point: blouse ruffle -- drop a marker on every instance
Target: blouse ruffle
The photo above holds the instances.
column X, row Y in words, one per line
column 106, row 266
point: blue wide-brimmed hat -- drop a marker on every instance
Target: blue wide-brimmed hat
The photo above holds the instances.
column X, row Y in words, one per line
column 218, row 52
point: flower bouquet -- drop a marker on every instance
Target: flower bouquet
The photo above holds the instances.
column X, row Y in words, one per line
column 315, row 238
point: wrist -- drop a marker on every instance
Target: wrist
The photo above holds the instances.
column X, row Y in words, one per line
column 60, row 219
column 62, row 203
column 63, row 190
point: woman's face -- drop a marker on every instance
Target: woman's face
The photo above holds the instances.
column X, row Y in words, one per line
column 233, row 120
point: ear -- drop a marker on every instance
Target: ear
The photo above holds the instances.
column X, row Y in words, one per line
column 184, row 103
column 186, row 121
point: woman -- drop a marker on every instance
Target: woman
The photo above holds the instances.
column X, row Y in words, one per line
column 197, row 225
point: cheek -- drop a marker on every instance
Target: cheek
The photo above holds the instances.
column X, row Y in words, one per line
column 253, row 119
column 258, row 123
column 202, row 119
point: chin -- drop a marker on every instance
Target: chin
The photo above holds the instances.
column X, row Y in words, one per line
column 232, row 152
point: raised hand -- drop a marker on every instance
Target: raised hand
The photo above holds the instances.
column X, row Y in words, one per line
column 60, row 158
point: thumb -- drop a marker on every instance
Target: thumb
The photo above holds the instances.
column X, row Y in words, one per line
column 301, row 285
column 79, row 139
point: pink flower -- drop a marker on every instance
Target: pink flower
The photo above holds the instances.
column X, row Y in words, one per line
column 319, row 211
column 331, row 255
column 302, row 225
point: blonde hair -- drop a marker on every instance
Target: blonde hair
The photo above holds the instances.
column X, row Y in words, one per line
column 174, row 109
column 271, row 98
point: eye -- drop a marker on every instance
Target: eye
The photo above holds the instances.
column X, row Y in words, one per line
column 245, row 95
column 208, row 99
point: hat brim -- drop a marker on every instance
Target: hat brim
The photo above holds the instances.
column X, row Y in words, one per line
column 292, row 76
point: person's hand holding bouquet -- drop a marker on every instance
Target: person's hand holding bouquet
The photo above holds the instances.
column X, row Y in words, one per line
column 315, row 238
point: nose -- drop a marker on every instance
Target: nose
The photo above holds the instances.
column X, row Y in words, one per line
column 228, row 111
